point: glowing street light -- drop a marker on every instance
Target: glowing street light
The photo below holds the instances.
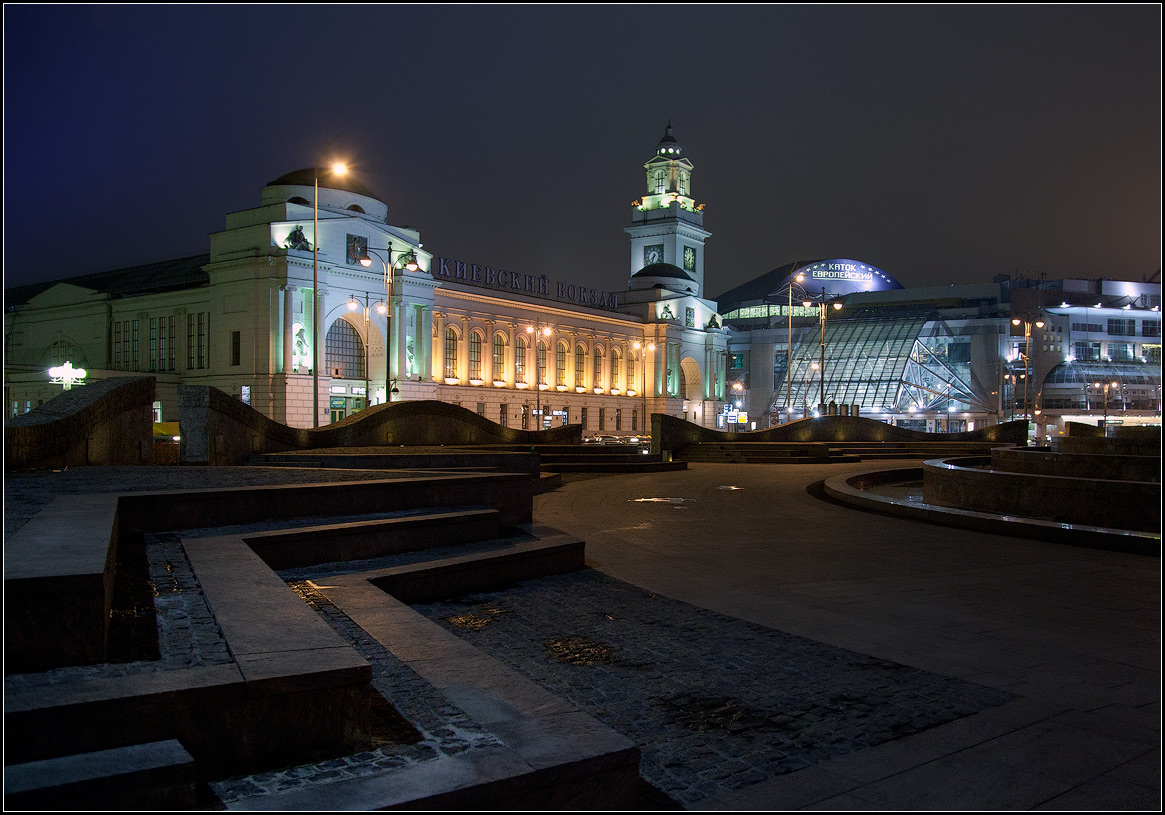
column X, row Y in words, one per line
column 643, row 376
column 382, row 309
column 408, row 259
column 539, row 367
column 1027, row 336
column 66, row 375
column 335, row 170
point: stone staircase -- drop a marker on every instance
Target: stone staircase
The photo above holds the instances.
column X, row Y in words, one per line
column 291, row 686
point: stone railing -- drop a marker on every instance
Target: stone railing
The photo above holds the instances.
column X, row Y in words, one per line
column 107, row 422
column 672, row 433
column 219, row 430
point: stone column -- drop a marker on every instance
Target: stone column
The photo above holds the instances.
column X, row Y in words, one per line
column 286, row 330
column 463, row 353
column 439, row 348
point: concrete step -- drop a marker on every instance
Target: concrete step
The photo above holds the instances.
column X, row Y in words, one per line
column 481, row 571
column 154, row 776
column 364, row 540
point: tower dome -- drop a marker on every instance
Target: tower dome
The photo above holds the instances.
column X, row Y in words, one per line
column 669, row 145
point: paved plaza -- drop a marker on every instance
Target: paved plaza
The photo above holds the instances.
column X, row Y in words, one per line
column 767, row 649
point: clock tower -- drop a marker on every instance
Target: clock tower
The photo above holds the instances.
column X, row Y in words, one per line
column 667, row 225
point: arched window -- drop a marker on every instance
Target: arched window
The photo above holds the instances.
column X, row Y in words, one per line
column 631, row 363
column 580, row 364
column 560, row 364
column 660, row 181
column 598, row 377
column 541, row 363
column 499, row 357
column 616, row 364
column 520, row 348
column 344, row 351
column 450, row 353
column 475, row 340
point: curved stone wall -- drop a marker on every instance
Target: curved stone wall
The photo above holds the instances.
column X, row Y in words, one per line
column 1043, row 461
column 963, row 483
column 672, row 433
column 218, row 429
column 107, row 422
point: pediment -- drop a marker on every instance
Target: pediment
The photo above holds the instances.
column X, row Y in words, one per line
column 64, row 294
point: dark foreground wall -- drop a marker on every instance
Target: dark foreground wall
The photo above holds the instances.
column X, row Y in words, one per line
column 671, row 433
column 219, row 430
column 107, row 422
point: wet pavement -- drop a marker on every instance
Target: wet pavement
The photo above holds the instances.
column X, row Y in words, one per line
column 715, row 704
column 763, row 648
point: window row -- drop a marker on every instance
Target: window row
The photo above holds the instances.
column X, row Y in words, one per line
column 570, row 369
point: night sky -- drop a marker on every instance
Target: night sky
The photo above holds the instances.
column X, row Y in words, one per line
column 941, row 144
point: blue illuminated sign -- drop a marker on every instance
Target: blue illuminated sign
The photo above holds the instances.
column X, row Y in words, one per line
column 844, row 276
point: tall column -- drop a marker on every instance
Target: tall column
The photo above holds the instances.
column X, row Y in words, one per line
column 487, row 354
column 286, row 332
column 424, row 352
column 439, row 348
column 511, row 353
column 661, row 352
column 463, row 354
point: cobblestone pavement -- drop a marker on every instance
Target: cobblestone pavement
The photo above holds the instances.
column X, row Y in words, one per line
column 444, row 729
column 714, row 703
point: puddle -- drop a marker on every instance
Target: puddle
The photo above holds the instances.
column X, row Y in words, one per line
column 661, row 500
column 728, row 487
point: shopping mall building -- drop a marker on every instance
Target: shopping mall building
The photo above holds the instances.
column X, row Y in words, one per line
column 305, row 276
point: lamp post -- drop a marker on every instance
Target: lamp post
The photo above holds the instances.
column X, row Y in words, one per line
column 822, row 316
column 789, row 349
column 1027, row 334
column 409, row 259
column 805, row 389
column 381, row 309
column 738, row 393
column 539, row 361
column 336, row 169
column 643, row 349
column 1105, row 386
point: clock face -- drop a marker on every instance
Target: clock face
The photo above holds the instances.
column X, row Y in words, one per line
column 689, row 259
column 652, row 254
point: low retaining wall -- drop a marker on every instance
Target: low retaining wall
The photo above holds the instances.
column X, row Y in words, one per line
column 960, row 483
column 1115, row 446
column 108, row 422
column 219, row 430
column 1043, row 461
column 672, row 433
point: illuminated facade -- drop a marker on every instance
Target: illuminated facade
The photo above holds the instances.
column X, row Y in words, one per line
column 511, row 346
column 945, row 358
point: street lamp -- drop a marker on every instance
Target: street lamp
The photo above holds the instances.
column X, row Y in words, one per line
column 408, row 258
column 539, row 367
column 381, row 309
column 336, row 169
column 1105, row 386
column 822, row 315
column 1027, row 335
column 789, row 348
column 805, row 389
column 738, row 393
column 643, row 376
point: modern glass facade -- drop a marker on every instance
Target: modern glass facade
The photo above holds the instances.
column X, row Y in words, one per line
column 865, row 362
